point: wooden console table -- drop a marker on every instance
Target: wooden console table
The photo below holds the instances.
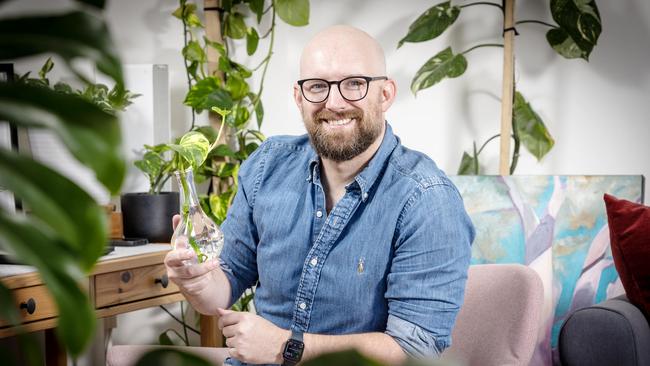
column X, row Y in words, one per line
column 128, row 279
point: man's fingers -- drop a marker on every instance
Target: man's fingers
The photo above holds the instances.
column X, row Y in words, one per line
column 181, row 243
column 176, row 258
column 176, row 219
column 227, row 318
column 229, row 331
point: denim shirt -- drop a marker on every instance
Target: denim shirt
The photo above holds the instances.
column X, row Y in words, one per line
column 391, row 256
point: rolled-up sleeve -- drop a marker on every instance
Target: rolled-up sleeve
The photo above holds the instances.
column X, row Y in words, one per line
column 427, row 277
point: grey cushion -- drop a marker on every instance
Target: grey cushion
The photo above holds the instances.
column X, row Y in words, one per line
column 614, row 332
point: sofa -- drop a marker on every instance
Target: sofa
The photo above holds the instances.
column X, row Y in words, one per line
column 614, row 332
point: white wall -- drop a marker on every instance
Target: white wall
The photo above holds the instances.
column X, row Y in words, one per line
column 597, row 111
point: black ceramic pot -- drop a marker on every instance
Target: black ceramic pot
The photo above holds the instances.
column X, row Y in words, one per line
column 149, row 216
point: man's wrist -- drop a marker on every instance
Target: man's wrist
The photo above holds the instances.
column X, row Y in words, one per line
column 283, row 338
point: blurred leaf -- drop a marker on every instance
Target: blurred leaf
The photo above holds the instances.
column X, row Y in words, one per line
column 73, row 35
column 48, row 194
column 99, row 4
column 531, row 129
column 242, row 116
column 40, row 247
column 252, row 39
column 92, row 135
column 216, row 45
column 443, row 65
column 293, row 12
column 219, row 206
column 194, row 52
column 222, row 150
column 8, row 311
column 580, row 27
column 257, row 7
column 343, row 358
column 259, row 113
column 208, row 93
column 235, row 26
column 193, row 149
column 258, row 135
column 152, row 165
column 171, row 357
column 225, row 170
column 431, row 23
column 164, row 340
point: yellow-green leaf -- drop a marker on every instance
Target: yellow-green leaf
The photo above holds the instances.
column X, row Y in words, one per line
column 530, row 128
column 431, row 23
column 443, row 65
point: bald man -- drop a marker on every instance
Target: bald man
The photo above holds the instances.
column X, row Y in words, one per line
column 351, row 239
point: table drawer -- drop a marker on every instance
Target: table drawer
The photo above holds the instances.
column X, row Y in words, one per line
column 34, row 303
column 125, row 286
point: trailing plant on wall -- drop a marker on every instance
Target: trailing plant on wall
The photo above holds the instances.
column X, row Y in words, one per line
column 229, row 87
column 574, row 36
column 64, row 231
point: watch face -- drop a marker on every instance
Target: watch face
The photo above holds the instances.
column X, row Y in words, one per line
column 293, row 350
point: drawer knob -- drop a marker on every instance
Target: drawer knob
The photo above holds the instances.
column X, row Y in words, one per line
column 163, row 281
column 126, row 276
column 30, row 305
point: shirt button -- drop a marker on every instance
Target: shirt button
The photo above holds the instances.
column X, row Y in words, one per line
column 303, row 306
column 313, row 262
column 319, row 214
column 365, row 195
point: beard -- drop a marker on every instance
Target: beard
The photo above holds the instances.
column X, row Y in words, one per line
column 343, row 145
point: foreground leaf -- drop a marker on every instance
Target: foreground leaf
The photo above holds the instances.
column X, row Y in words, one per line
column 252, row 39
column 171, row 357
column 293, row 12
column 71, row 36
column 579, row 21
column 35, row 245
column 92, row 135
column 61, row 207
column 443, row 65
column 468, row 165
column 431, row 23
column 530, row 128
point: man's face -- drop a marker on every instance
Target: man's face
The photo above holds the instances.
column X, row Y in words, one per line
column 339, row 129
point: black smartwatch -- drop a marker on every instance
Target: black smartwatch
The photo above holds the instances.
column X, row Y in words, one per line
column 292, row 353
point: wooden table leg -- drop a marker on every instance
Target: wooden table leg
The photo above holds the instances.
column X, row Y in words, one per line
column 210, row 334
column 54, row 353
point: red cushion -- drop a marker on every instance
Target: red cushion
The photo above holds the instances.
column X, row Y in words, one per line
column 629, row 231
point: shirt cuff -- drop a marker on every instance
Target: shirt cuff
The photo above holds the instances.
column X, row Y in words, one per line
column 415, row 341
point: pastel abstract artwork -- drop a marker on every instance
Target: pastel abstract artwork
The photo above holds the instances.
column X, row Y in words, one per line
column 557, row 225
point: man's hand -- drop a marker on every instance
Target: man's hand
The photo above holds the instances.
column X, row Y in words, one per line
column 194, row 279
column 251, row 338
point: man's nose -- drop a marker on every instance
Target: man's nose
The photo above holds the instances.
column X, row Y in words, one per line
column 335, row 100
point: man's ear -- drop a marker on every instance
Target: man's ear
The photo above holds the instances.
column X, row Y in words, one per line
column 388, row 93
column 297, row 96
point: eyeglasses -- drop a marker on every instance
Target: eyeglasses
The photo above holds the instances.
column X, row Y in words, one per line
column 352, row 88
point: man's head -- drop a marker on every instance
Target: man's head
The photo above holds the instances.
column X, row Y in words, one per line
column 341, row 129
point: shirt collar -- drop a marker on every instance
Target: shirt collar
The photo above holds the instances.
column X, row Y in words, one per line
column 367, row 177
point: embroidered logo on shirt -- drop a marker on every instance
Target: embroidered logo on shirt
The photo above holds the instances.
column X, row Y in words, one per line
column 360, row 265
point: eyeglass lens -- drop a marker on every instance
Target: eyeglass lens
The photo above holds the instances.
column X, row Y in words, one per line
column 352, row 89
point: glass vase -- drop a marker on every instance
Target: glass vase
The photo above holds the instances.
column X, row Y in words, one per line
column 196, row 229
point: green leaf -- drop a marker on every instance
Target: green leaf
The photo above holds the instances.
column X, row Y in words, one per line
column 431, row 23
column 443, row 65
column 222, row 150
column 47, row 67
column 216, row 45
column 73, row 35
column 188, row 14
column 237, row 87
column 563, row 44
column 99, row 4
column 171, row 357
column 531, row 129
column 193, row 148
column 164, row 340
column 49, row 195
column 194, row 52
column 468, row 165
column 242, row 116
column 580, row 25
column 257, row 7
column 219, row 206
column 235, row 26
column 293, row 12
column 8, row 310
column 208, row 93
column 39, row 246
column 258, row 135
column 252, row 39
column 92, row 135
column 342, row 358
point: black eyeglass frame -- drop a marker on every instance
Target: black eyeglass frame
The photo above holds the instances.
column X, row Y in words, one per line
column 368, row 79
